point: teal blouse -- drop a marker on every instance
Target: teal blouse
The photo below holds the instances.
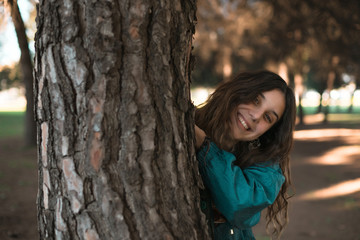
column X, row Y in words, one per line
column 239, row 194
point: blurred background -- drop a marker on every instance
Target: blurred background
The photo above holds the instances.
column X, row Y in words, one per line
column 314, row 45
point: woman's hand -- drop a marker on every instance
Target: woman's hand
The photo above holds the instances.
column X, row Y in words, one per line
column 199, row 137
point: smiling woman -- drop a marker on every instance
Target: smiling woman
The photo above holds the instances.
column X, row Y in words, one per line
column 242, row 177
column 251, row 120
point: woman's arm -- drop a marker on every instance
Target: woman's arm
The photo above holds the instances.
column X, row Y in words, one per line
column 199, row 137
column 239, row 194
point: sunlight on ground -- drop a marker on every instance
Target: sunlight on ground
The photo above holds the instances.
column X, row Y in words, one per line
column 312, row 119
column 331, row 132
column 340, row 189
column 339, row 155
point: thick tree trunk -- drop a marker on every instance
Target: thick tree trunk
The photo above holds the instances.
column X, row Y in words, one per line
column 27, row 72
column 116, row 154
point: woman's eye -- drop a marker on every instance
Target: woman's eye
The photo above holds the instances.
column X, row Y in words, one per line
column 268, row 118
column 256, row 101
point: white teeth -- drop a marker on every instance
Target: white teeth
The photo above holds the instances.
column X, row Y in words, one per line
column 243, row 123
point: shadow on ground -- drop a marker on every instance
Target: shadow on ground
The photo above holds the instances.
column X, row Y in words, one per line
column 325, row 168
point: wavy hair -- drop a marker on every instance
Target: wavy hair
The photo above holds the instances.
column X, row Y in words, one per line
column 276, row 143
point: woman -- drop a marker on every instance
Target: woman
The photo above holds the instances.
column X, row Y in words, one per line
column 244, row 134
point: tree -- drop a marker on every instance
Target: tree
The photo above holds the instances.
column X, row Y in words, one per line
column 26, row 69
column 115, row 126
column 10, row 77
column 337, row 32
column 228, row 37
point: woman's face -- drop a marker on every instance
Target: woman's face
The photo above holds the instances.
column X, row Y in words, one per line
column 249, row 121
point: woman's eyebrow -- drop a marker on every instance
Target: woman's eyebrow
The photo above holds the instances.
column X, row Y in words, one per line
column 276, row 115
column 273, row 112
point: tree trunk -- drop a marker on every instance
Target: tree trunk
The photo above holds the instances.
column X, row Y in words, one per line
column 27, row 72
column 299, row 90
column 329, row 86
column 283, row 72
column 115, row 123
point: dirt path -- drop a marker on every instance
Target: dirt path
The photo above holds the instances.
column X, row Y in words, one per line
column 18, row 189
column 326, row 176
column 323, row 158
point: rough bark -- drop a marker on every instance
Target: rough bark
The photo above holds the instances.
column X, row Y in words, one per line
column 115, row 125
column 27, row 72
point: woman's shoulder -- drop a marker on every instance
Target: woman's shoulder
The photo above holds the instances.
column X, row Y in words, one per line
column 209, row 148
column 270, row 163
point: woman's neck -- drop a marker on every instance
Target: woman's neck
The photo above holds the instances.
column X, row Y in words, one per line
column 228, row 145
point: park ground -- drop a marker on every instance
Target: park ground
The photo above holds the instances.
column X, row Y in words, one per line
column 325, row 170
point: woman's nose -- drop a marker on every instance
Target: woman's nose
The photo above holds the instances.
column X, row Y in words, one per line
column 256, row 115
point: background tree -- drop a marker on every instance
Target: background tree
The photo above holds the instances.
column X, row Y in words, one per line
column 10, row 77
column 116, row 153
column 304, row 41
column 337, row 30
column 229, row 37
column 26, row 69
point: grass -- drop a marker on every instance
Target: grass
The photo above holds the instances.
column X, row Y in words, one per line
column 11, row 124
column 333, row 110
column 344, row 117
column 21, row 163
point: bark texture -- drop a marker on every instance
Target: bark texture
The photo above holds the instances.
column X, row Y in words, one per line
column 27, row 72
column 115, row 125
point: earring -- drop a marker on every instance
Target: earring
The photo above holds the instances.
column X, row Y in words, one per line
column 254, row 144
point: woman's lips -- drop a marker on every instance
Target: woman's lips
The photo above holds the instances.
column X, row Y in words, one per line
column 243, row 122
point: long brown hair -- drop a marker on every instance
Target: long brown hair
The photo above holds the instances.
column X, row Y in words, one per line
column 214, row 118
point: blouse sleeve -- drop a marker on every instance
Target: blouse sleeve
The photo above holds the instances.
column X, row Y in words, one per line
column 239, row 194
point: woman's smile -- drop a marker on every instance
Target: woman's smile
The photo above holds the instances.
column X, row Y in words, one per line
column 242, row 121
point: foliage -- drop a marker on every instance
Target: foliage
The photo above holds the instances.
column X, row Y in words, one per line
column 311, row 37
column 204, row 73
column 28, row 9
column 10, row 76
